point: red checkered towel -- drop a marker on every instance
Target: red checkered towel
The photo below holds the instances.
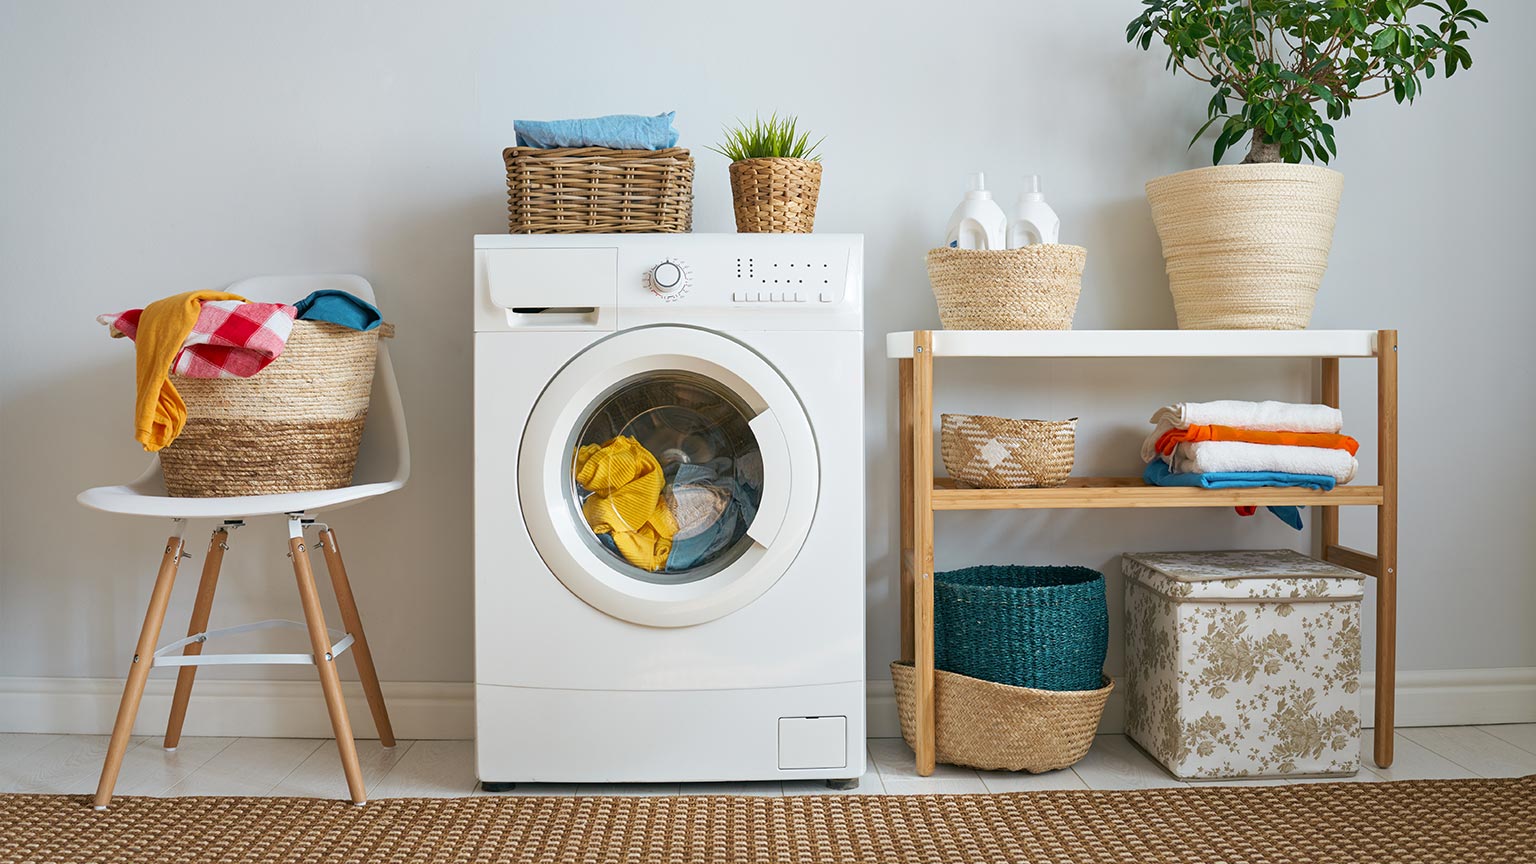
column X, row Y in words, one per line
column 231, row 339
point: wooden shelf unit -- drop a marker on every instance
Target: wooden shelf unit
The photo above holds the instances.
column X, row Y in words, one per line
column 915, row 353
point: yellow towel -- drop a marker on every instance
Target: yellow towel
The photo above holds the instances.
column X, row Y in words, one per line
column 626, row 485
column 158, row 412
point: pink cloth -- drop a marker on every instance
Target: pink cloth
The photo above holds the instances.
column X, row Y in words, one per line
column 231, row 339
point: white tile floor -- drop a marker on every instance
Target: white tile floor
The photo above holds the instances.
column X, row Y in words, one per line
column 69, row 764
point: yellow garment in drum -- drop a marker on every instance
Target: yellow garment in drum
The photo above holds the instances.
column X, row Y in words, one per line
column 626, row 502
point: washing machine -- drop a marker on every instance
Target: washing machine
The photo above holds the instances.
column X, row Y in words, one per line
column 669, row 508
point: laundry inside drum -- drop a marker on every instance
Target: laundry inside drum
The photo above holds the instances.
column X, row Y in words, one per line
column 666, row 476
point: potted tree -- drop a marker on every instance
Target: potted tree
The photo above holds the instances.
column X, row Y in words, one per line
column 1246, row 245
column 775, row 175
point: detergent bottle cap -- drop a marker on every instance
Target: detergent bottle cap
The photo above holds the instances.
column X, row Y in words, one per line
column 1032, row 188
column 976, row 187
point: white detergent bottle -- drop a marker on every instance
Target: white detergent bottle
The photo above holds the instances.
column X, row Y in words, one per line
column 1033, row 220
column 978, row 223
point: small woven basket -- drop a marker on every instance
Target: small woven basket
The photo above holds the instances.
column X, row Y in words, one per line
column 1033, row 288
column 999, row 453
column 1246, row 245
column 597, row 190
column 1040, row 627
column 775, row 195
column 292, row 427
column 995, row 727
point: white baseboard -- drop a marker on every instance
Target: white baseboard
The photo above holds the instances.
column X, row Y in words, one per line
column 294, row 709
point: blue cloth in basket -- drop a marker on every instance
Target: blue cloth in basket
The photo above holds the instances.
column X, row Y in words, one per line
column 619, row 131
column 339, row 307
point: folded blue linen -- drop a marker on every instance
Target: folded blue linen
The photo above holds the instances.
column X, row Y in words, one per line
column 339, row 307
column 1159, row 474
column 619, row 131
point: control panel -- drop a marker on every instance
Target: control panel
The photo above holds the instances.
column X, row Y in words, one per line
column 718, row 281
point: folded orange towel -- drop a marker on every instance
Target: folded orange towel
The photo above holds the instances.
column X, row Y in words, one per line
column 1328, row 440
column 158, row 412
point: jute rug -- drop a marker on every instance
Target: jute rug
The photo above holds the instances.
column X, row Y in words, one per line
column 1432, row 821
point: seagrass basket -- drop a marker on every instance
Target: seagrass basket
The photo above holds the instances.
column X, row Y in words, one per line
column 995, row 727
column 1033, row 288
column 999, row 453
column 775, row 195
column 292, row 427
column 598, row 190
column 1246, row 246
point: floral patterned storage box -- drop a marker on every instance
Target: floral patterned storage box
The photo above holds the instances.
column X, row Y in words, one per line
column 1243, row 664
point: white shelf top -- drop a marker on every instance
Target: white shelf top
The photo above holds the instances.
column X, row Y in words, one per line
column 1140, row 343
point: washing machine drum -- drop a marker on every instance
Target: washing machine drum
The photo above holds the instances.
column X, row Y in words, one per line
column 668, row 476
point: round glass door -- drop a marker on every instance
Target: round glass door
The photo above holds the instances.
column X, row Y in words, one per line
column 666, row 476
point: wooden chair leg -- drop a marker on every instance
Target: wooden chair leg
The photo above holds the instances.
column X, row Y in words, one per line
column 217, row 545
column 366, row 674
column 138, row 672
column 330, row 682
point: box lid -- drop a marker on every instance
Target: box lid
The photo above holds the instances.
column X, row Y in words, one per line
column 1275, row 574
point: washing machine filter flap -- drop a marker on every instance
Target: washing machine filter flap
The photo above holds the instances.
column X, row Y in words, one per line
column 668, row 475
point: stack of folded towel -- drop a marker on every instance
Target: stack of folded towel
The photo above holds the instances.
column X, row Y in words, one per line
column 1234, row 445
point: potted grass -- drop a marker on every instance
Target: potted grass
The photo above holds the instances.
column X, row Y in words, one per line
column 1246, row 245
column 775, row 175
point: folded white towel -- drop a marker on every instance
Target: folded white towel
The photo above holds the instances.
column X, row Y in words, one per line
column 1204, row 457
column 1259, row 416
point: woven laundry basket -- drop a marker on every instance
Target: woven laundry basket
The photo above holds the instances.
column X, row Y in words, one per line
column 1033, row 288
column 775, row 195
column 999, row 453
column 598, row 190
column 292, row 427
column 1042, row 627
column 1246, row 245
column 994, row 727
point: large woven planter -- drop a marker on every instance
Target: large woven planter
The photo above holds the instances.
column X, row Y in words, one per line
column 1040, row 627
column 774, row 195
column 1033, row 288
column 292, row 427
column 995, row 727
column 1246, row 245
column 597, row 190
column 1000, row 453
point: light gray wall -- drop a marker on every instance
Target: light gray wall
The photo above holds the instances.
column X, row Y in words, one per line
column 154, row 147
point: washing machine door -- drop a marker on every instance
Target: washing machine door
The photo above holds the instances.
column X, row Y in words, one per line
column 668, row 476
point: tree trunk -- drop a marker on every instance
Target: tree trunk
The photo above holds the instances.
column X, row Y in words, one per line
column 1260, row 150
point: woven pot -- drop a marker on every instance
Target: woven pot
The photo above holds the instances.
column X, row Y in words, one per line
column 292, row 427
column 999, row 453
column 774, row 195
column 598, row 190
column 1246, row 245
column 995, row 727
column 1041, row 627
column 1033, row 288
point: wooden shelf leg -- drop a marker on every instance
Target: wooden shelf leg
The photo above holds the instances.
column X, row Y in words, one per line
column 904, row 448
column 218, row 544
column 138, row 672
column 330, row 682
column 1386, row 544
column 1328, row 517
column 922, row 548
column 366, row 674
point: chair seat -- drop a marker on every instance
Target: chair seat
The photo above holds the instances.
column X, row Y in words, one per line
column 135, row 501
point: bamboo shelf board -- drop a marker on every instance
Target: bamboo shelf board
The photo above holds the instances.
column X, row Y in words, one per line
column 1132, row 492
column 1141, row 343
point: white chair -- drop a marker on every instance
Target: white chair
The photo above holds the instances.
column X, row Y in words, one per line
column 383, row 465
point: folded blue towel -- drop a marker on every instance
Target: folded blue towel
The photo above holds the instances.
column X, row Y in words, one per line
column 619, row 131
column 1159, row 474
column 339, row 307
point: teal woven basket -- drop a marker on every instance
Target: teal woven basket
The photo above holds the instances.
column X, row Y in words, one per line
column 1040, row 627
